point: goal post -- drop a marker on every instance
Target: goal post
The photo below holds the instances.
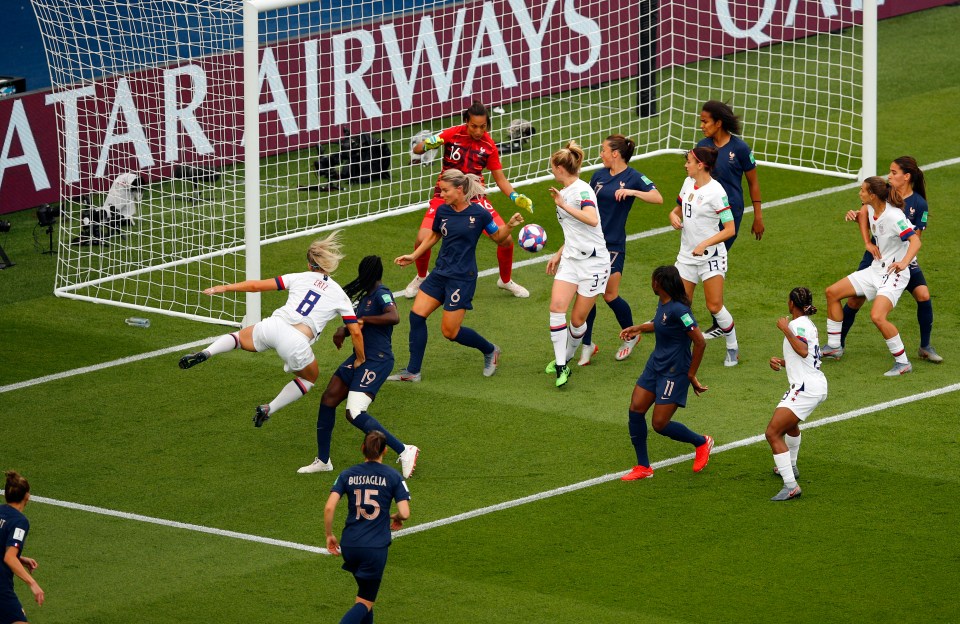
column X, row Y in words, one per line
column 249, row 122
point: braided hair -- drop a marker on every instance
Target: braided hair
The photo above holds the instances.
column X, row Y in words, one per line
column 369, row 273
column 802, row 299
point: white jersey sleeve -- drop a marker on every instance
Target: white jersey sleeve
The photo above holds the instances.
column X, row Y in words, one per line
column 892, row 231
column 805, row 372
column 701, row 209
column 314, row 299
column 579, row 239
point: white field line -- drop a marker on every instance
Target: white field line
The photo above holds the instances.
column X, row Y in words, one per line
column 96, row 367
column 500, row 506
column 485, row 273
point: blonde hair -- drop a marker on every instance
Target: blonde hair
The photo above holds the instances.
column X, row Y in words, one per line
column 469, row 182
column 569, row 158
column 325, row 254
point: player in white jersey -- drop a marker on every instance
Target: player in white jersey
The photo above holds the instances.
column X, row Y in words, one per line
column 314, row 299
column 702, row 208
column 581, row 265
column 808, row 388
column 883, row 281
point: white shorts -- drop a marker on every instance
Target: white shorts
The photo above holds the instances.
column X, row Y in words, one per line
column 870, row 282
column 800, row 402
column 702, row 271
column 291, row 345
column 589, row 274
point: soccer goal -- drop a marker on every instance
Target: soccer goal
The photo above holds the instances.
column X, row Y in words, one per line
column 195, row 131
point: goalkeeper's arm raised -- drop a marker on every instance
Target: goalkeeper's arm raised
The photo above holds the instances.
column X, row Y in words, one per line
column 430, row 143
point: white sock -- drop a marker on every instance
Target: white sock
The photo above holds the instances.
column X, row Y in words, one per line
column 226, row 342
column 782, row 460
column 290, row 393
column 558, row 336
column 793, row 443
column 725, row 323
column 896, row 348
column 833, row 333
column 574, row 339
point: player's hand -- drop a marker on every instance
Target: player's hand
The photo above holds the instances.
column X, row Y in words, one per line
column 358, row 362
column 37, row 593
column 758, row 228
column 214, row 290
column 622, row 193
column 874, row 250
column 783, row 324
column 698, row 388
column 432, row 142
column 777, row 363
column 676, row 221
column 557, row 198
column 553, row 263
column 699, row 250
column 515, row 220
column 339, row 336
column 522, row 201
column 395, row 522
column 405, row 260
column 630, row 332
column 333, row 546
column 851, row 215
column 897, row 266
column 28, row 563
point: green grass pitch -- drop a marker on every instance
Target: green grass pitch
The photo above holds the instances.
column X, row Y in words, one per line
column 874, row 537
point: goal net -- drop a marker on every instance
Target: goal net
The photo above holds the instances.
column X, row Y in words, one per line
column 161, row 198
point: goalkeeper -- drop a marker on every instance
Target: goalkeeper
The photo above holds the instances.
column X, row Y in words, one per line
column 470, row 149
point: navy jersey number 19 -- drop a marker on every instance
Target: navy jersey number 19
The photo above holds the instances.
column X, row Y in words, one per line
column 310, row 300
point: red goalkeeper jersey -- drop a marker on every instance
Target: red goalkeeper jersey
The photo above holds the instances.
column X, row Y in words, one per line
column 461, row 152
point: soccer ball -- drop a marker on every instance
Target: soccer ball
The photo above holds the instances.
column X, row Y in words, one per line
column 532, row 237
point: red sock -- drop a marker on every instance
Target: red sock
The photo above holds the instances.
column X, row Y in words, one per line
column 423, row 263
column 505, row 260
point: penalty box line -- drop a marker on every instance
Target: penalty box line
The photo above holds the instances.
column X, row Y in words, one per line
column 476, row 513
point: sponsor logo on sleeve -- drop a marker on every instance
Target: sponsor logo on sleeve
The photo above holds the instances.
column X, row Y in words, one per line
column 687, row 320
column 19, row 534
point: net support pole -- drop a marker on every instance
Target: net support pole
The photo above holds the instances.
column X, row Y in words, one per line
column 869, row 166
column 251, row 155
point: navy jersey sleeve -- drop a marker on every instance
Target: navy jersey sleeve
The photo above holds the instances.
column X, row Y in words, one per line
column 685, row 318
column 918, row 212
column 645, row 184
column 400, row 490
column 339, row 486
column 745, row 156
column 16, row 530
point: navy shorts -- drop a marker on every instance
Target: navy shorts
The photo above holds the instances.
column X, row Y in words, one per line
column 11, row 610
column 617, row 260
column 456, row 294
column 669, row 390
column 366, row 563
column 368, row 378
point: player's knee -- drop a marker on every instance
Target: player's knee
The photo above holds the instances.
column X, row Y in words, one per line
column 772, row 433
column 450, row 333
column 659, row 424
column 714, row 306
column 879, row 317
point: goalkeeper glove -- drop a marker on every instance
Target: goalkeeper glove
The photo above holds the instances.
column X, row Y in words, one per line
column 522, row 201
column 432, row 142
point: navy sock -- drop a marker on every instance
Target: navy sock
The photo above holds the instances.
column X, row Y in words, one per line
column 849, row 316
column 367, row 423
column 622, row 311
column 326, row 418
column 418, row 342
column 638, row 437
column 355, row 615
column 469, row 338
column 680, row 433
column 925, row 319
column 588, row 335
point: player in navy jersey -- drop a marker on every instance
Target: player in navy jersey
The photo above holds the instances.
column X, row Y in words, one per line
column 884, row 281
column 313, row 300
column 907, row 178
column 376, row 314
column 616, row 186
column 670, row 371
column 369, row 488
column 14, row 527
column 470, row 149
column 460, row 223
